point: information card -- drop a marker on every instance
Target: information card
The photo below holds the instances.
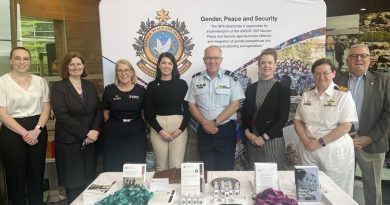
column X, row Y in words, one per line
column 266, row 176
column 192, row 178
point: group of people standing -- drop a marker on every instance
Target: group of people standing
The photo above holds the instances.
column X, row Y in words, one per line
column 323, row 120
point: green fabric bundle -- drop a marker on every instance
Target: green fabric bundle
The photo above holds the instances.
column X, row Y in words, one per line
column 136, row 195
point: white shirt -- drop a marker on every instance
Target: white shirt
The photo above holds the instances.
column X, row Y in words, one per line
column 212, row 96
column 19, row 102
column 322, row 114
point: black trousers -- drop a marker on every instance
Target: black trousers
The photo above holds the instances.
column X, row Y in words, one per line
column 217, row 151
column 24, row 164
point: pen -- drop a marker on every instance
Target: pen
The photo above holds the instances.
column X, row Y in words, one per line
column 171, row 197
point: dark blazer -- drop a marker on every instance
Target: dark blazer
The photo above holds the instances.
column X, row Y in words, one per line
column 273, row 114
column 375, row 116
column 74, row 116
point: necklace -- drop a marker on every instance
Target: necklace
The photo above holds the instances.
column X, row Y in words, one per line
column 77, row 85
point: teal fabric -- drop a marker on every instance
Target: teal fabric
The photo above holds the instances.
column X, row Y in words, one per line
column 136, row 195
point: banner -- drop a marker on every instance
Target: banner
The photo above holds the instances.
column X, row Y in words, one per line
column 140, row 30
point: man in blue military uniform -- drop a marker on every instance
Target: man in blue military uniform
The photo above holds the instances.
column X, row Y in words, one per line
column 214, row 97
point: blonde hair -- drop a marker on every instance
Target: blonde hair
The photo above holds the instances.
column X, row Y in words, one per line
column 125, row 62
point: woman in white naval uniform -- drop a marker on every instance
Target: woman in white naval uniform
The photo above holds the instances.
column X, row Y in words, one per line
column 323, row 118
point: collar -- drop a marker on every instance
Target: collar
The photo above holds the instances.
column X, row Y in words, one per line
column 353, row 76
column 219, row 74
column 329, row 91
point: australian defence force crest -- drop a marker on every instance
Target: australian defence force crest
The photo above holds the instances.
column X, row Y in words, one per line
column 156, row 38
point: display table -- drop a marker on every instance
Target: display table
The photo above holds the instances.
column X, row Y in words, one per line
column 331, row 193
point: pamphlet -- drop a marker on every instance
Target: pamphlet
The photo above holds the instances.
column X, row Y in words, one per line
column 192, row 178
column 98, row 190
column 307, row 183
column 134, row 174
column 266, row 176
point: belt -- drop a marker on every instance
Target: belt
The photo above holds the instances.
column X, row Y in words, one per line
column 126, row 120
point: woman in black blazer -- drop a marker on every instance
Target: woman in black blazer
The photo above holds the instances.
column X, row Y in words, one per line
column 78, row 113
column 265, row 113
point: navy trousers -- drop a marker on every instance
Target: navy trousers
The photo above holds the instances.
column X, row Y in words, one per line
column 217, row 150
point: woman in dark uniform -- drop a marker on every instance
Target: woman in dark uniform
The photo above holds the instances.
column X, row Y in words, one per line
column 124, row 132
column 77, row 109
column 24, row 111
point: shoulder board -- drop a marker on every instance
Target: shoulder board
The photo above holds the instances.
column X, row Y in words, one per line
column 310, row 88
column 231, row 74
column 109, row 85
column 196, row 74
column 341, row 88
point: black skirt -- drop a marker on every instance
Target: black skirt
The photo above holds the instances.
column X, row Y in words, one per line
column 123, row 142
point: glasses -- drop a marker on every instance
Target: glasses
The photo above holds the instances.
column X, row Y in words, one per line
column 21, row 59
column 362, row 56
column 123, row 71
column 322, row 74
column 212, row 58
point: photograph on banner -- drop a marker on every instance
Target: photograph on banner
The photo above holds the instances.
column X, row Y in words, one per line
column 373, row 31
column 375, row 22
column 375, row 28
column 341, row 33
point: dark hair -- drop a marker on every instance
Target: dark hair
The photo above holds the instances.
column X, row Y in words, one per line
column 175, row 71
column 19, row 48
column 322, row 61
column 268, row 51
column 64, row 70
column 300, row 174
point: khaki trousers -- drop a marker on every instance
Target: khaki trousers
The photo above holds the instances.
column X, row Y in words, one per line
column 169, row 154
column 371, row 165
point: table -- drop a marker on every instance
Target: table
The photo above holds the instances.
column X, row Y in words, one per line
column 331, row 193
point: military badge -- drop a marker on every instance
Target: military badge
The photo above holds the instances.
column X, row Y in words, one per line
column 330, row 103
column 116, row 97
column 341, row 88
column 156, row 38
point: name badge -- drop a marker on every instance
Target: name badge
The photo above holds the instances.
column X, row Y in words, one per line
column 135, row 97
column 200, row 86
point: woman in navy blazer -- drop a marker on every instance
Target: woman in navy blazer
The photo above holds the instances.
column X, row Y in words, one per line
column 265, row 113
column 78, row 113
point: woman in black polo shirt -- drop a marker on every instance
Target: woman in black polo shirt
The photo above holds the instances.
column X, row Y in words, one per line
column 124, row 132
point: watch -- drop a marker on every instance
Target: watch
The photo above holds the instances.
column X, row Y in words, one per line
column 216, row 122
column 322, row 142
column 39, row 127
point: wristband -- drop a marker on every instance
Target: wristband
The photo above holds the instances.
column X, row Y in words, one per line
column 322, row 142
column 216, row 122
column 39, row 127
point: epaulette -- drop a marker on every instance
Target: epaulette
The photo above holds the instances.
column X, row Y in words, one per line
column 197, row 74
column 109, row 85
column 139, row 85
column 231, row 74
column 310, row 88
column 341, row 88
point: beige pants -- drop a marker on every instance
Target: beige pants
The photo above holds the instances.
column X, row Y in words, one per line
column 371, row 165
column 169, row 154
